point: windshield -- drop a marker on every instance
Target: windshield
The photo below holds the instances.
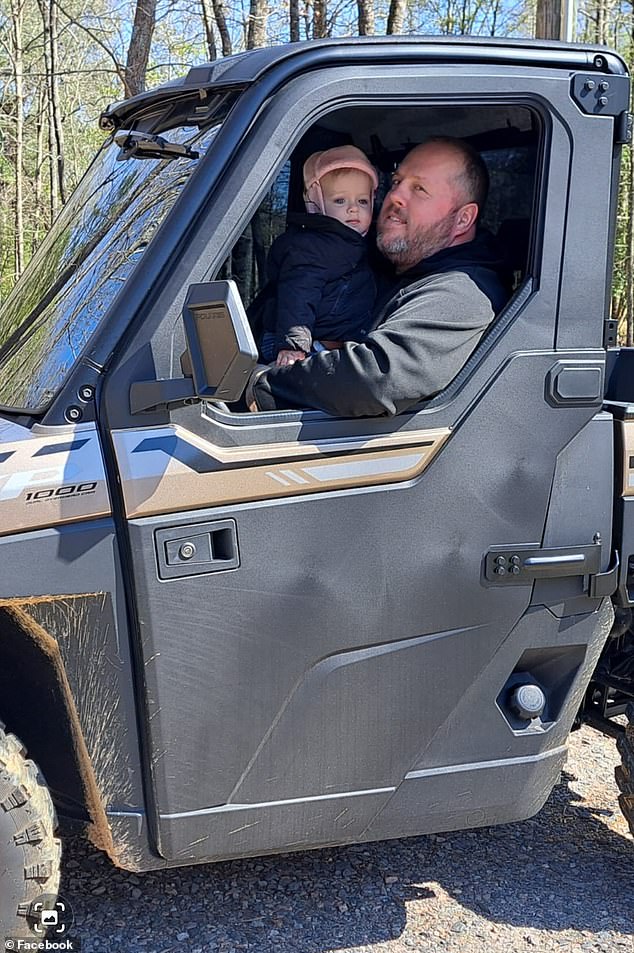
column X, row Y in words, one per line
column 98, row 239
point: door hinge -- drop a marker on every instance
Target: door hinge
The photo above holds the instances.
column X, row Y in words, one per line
column 601, row 95
column 623, row 128
column 605, row 583
column 610, row 332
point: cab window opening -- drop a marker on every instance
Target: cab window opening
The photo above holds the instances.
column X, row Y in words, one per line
column 506, row 136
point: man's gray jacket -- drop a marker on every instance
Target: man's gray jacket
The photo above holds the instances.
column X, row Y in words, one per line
column 423, row 335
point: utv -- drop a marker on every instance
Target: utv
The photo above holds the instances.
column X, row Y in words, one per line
column 225, row 634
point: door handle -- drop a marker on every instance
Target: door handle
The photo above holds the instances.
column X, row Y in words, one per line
column 564, row 565
column 521, row 565
column 197, row 549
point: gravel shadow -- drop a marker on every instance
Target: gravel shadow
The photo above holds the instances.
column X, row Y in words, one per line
column 561, row 870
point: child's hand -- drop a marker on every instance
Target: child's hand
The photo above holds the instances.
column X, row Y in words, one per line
column 284, row 358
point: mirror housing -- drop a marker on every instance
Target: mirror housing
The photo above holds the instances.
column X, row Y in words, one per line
column 220, row 344
column 221, row 352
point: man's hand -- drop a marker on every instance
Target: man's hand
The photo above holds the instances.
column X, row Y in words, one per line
column 284, row 358
column 257, row 372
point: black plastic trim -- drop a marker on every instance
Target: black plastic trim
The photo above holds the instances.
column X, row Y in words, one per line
column 118, row 517
column 292, row 58
column 604, row 584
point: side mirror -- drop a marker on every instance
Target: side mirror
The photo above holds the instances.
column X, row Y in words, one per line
column 221, row 352
column 221, row 348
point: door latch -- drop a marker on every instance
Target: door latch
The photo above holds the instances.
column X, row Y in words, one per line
column 522, row 565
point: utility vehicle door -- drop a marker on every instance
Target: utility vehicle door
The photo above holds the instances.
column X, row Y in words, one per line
column 334, row 616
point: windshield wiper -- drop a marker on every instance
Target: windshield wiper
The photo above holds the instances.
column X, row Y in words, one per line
column 142, row 145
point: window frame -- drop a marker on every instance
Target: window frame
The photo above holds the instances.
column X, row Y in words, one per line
column 285, row 119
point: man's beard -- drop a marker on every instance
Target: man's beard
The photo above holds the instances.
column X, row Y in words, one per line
column 406, row 251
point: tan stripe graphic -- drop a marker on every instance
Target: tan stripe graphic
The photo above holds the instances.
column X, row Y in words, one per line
column 627, row 442
column 49, row 477
column 168, row 469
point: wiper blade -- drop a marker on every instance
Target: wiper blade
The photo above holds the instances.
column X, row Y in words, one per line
column 142, row 145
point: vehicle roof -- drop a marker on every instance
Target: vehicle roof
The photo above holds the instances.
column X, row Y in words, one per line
column 243, row 69
column 249, row 66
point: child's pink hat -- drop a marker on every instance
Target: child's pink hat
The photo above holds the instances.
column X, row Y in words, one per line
column 321, row 163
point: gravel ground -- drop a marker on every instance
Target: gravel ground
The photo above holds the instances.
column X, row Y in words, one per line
column 562, row 881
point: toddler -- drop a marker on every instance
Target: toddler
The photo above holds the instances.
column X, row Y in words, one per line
column 320, row 285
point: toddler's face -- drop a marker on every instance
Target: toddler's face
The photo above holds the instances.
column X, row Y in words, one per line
column 348, row 198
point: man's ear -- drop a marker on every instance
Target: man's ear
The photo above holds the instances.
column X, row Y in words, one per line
column 466, row 218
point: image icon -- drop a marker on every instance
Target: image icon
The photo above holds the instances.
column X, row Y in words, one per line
column 49, row 915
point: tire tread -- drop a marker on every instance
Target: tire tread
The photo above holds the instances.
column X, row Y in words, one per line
column 26, row 798
column 624, row 773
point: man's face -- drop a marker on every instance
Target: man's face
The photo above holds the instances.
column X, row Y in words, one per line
column 421, row 211
column 348, row 198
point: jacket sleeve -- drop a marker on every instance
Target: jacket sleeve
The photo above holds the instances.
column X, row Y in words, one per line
column 411, row 356
column 302, row 276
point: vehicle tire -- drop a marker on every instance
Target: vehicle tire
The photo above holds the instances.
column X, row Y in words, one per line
column 30, row 853
column 625, row 772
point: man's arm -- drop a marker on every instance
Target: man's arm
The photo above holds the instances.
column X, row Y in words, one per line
column 411, row 356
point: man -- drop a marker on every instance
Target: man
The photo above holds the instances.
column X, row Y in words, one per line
column 446, row 291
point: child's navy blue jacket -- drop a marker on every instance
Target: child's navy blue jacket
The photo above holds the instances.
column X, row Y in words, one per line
column 320, row 285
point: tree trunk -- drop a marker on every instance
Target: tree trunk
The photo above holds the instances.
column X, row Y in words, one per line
column 242, row 256
column 465, row 25
column 320, row 27
column 494, row 18
column 548, row 20
column 307, row 17
column 223, row 30
column 17, row 66
column 366, row 17
column 256, row 29
column 53, row 183
column 55, row 103
column 48, row 11
column 293, row 14
column 38, row 186
column 139, row 48
column 601, row 11
column 51, row 150
column 629, row 281
column 208, row 23
column 396, row 16
column 629, row 231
